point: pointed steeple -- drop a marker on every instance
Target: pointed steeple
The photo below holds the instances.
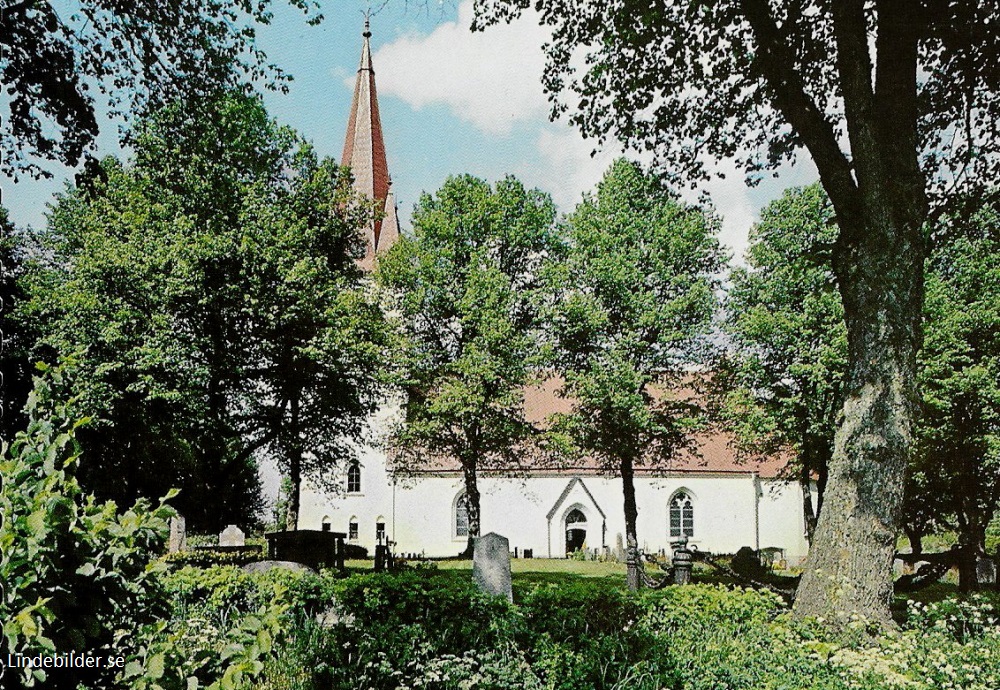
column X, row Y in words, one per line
column 364, row 153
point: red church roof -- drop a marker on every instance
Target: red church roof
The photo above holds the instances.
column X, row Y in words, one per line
column 715, row 448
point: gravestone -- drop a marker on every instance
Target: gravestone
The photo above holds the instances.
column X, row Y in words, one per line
column 986, row 571
column 232, row 536
column 491, row 565
column 619, row 548
column 178, row 535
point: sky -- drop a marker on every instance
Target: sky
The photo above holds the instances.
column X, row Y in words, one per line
column 451, row 102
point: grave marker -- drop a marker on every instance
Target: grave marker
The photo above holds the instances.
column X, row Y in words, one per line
column 178, row 535
column 491, row 565
column 232, row 536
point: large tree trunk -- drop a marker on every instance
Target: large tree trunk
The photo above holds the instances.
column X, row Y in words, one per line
column 633, row 575
column 880, row 200
column 472, row 501
column 880, row 271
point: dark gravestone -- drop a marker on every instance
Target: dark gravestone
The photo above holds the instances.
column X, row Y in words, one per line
column 491, row 565
column 314, row 548
column 746, row 563
column 986, row 571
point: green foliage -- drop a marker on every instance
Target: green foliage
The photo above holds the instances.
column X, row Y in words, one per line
column 435, row 630
column 76, row 573
column 784, row 376
column 632, row 299
column 465, row 286
column 212, row 285
column 15, row 368
column 205, row 558
column 956, row 478
column 139, row 55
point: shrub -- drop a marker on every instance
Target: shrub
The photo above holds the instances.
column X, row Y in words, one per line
column 77, row 573
column 206, row 558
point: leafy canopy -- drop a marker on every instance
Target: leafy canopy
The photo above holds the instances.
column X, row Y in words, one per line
column 139, row 55
column 212, row 284
column 786, row 324
column 631, row 302
column 466, row 282
column 755, row 81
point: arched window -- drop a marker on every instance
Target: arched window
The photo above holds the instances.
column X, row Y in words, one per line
column 574, row 516
column 354, row 478
column 462, row 516
column 352, row 528
column 326, row 523
column 681, row 515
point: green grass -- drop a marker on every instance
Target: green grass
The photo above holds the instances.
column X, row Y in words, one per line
column 526, row 566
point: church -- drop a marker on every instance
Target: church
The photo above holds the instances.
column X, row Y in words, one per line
column 721, row 503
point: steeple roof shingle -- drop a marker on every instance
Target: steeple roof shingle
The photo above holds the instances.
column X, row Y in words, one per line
column 364, row 153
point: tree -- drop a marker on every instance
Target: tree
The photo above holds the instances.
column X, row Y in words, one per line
column 955, row 481
column 15, row 370
column 631, row 300
column 140, row 55
column 212, row 288
column 759, row 80
column 784, row 374
column 465, row 284
column 787, row 323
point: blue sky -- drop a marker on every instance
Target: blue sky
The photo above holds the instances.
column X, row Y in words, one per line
column 451, row 102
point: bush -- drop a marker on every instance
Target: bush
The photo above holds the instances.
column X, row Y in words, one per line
column 206, row 558
column 433, row 630
column 77, row 573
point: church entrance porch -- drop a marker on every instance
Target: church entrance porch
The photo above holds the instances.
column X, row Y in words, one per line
column 576, row 531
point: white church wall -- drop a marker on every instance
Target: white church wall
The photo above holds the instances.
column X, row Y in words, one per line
column 782, row 524
column 730, row 510
column 419, row 513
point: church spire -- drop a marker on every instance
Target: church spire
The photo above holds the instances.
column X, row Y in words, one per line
column 364, row 153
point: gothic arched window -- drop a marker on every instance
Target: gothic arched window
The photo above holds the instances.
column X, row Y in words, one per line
column 462, row 516
column 681, row 515
column 354, row 478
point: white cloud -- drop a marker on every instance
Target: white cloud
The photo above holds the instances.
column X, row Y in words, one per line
column 490, row 79
column 565, row 167
column 731, row 199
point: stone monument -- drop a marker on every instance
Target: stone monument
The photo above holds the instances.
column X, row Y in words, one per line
column 986, row 571
column 491, row 565
column 232, row 536
column 178, row 535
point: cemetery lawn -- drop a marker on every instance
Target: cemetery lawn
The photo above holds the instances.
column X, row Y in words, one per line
column 523, row 566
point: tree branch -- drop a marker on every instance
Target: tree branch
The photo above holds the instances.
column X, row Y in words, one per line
column 896, row 101
column 776, row 63
column 855, row 67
